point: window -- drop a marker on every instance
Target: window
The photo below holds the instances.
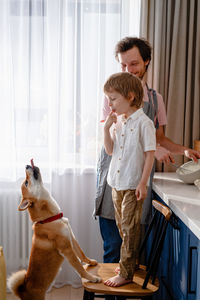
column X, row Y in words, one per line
column 56, row 56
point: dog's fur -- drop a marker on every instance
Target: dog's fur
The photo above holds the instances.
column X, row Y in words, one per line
column 51, row 242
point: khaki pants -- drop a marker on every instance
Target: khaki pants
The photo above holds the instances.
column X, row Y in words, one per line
column 128, row 213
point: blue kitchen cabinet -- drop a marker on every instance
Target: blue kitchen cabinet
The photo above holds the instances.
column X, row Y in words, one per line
column 179, row 268
column 193, row 255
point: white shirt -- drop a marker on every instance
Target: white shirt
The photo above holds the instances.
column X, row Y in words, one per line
column 132, row 137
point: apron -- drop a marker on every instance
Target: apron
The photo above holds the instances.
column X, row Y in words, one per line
column 103, row 200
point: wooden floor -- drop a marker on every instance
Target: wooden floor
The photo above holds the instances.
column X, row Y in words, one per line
column 66, row 292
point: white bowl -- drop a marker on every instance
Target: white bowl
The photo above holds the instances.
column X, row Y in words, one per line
column 189, row 172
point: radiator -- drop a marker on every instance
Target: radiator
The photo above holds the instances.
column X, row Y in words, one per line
column 15, row 230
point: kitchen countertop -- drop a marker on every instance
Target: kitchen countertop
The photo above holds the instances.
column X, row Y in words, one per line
column 182, row 198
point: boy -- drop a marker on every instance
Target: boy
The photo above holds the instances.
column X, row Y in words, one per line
column 132, row 146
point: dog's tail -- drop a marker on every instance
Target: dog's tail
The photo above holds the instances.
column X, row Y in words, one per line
column 16, row 282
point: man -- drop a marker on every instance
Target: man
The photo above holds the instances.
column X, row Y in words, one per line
column 134, row 56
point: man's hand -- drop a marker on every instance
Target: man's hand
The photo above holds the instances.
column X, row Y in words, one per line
column 163, row 155
column 167, row 147
column 192, row 154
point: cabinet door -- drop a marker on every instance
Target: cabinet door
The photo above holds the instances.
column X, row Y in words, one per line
column 198, row 273
column 179, row 258
column 192, row 266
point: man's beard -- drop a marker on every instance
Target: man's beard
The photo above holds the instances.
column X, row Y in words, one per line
column 142, row 76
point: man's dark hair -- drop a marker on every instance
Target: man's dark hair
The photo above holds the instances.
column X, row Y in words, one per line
column 128, row 43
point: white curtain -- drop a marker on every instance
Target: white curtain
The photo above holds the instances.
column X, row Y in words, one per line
column 54, row 58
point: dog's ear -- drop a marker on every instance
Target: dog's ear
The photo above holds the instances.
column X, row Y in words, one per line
column 24, row 204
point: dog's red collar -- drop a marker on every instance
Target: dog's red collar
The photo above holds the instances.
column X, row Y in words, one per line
column 51, row 219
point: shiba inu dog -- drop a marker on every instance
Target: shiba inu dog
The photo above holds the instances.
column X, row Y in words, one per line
column 52, row 241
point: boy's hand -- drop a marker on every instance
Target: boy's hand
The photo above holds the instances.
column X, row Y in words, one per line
column 112, row 118
column 141, row 191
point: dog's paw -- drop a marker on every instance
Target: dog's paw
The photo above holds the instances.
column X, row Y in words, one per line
column 96, row 279
column 92, row 262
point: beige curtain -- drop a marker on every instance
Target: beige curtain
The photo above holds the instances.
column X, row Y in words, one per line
column 173, row 29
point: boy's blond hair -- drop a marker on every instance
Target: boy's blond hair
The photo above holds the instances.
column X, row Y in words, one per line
column 126, row 83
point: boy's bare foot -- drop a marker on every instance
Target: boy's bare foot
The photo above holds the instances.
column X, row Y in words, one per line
column 116, row 281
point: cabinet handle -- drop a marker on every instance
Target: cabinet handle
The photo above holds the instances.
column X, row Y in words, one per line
column 192, row 276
